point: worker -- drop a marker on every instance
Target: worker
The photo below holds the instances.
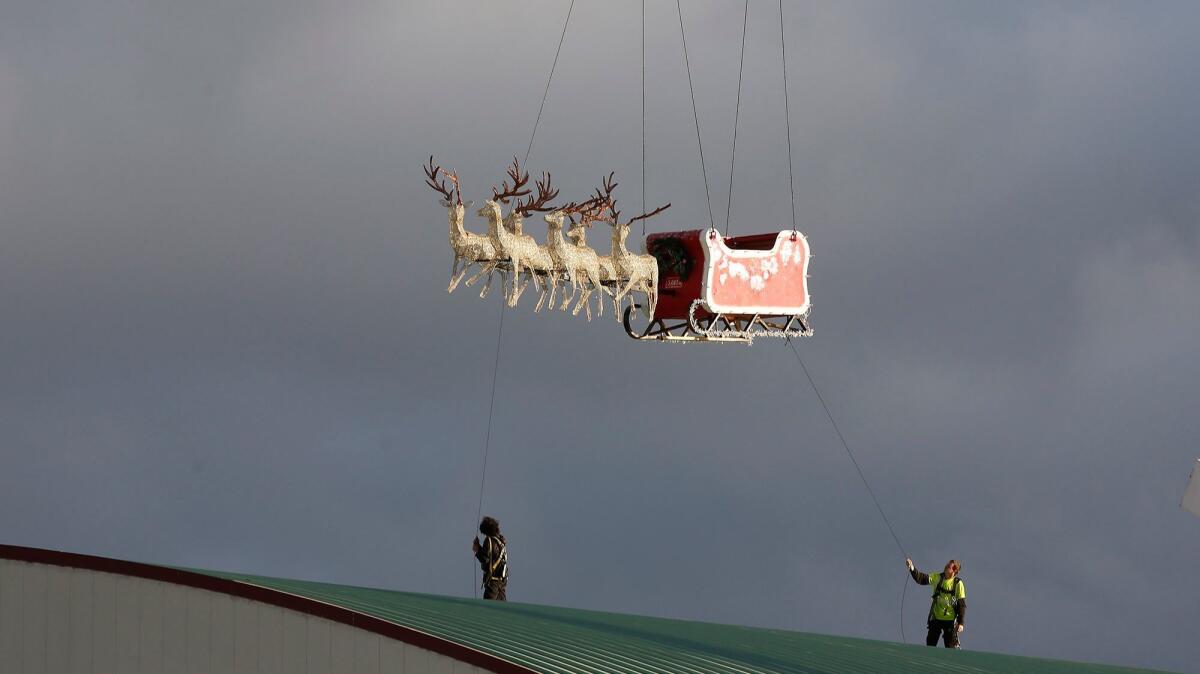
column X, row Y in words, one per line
column 948, row 610
column 493, row 559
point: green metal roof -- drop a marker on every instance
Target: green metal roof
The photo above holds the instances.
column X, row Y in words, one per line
column 551, row 639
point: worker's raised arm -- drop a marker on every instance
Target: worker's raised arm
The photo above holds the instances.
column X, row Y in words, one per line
column 482, row 552
column 921, row 578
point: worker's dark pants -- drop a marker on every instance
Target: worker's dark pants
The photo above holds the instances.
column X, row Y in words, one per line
column 497, row 589
column 945, row 629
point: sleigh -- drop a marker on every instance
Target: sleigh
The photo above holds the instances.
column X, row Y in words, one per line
column 718, row 289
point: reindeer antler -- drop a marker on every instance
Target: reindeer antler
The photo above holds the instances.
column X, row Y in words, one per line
column 588, row 211
column 604, row 199
column 539, row 203
column 593, row 208
column 439, row 186
column 651, row 214
column 518, row 189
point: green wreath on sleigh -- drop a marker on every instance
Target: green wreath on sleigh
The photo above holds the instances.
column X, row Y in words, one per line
column 672, row 257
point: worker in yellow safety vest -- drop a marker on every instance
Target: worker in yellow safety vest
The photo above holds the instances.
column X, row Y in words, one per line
column 948, row 610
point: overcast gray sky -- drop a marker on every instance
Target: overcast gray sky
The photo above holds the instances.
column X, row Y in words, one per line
column 227, row 341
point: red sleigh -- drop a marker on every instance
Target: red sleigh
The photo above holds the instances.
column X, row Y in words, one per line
column 712, row 288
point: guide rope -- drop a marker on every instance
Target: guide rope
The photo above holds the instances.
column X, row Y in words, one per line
column 845, row 445
column 487, row 441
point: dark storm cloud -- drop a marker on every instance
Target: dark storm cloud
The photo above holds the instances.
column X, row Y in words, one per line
column 227, row 342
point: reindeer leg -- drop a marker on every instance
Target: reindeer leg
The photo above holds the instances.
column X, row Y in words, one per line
column 566, row 302
column 553, row 289
column 503, row 281
column 576, row 291
column 483, row 292
column 484, row 268
column 651, row 301
column 599, row 295
column 489, row 269
column 540, row 281
column 455, row 281
column 514, row 293
column 587, row 292
column 542, row 296
column 626, row 289
column 600, row 286
column 530, row 278
column 455, row 277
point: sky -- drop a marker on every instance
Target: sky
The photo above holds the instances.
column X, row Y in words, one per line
column 227, row 341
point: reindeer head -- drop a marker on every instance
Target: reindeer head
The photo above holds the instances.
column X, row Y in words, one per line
column 620, row 231
column 491, row 210
column 555, row 219
column 578, row 233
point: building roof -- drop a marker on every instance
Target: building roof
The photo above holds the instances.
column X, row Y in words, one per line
column 514, row 637
column 553, row 639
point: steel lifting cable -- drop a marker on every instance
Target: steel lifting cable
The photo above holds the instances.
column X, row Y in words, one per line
column 644, row 117
column 696, row 115
column 787, row 116
column 487, row 441
column 736, row 113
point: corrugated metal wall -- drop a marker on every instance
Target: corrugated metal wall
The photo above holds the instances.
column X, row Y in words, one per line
column 58, row 620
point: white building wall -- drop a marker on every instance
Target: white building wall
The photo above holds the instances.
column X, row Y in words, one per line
column 62, row 620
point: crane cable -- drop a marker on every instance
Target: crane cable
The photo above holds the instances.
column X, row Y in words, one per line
column 737, row 110
column 487, row 441
column 787, row 116
column 644, row 117
column 696, row 115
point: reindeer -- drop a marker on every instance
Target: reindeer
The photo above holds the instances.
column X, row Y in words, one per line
column 580, row 261
column 469, row 248
column 640, row 270
column 521, row 249
column 577, row 234
column 588, row 212
column 637, row 272
column 547, row 281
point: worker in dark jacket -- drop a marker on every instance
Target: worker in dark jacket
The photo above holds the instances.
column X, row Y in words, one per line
column 948, row 612
column 492, row 554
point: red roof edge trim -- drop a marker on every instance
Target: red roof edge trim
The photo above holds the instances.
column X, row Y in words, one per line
column 267, row 596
